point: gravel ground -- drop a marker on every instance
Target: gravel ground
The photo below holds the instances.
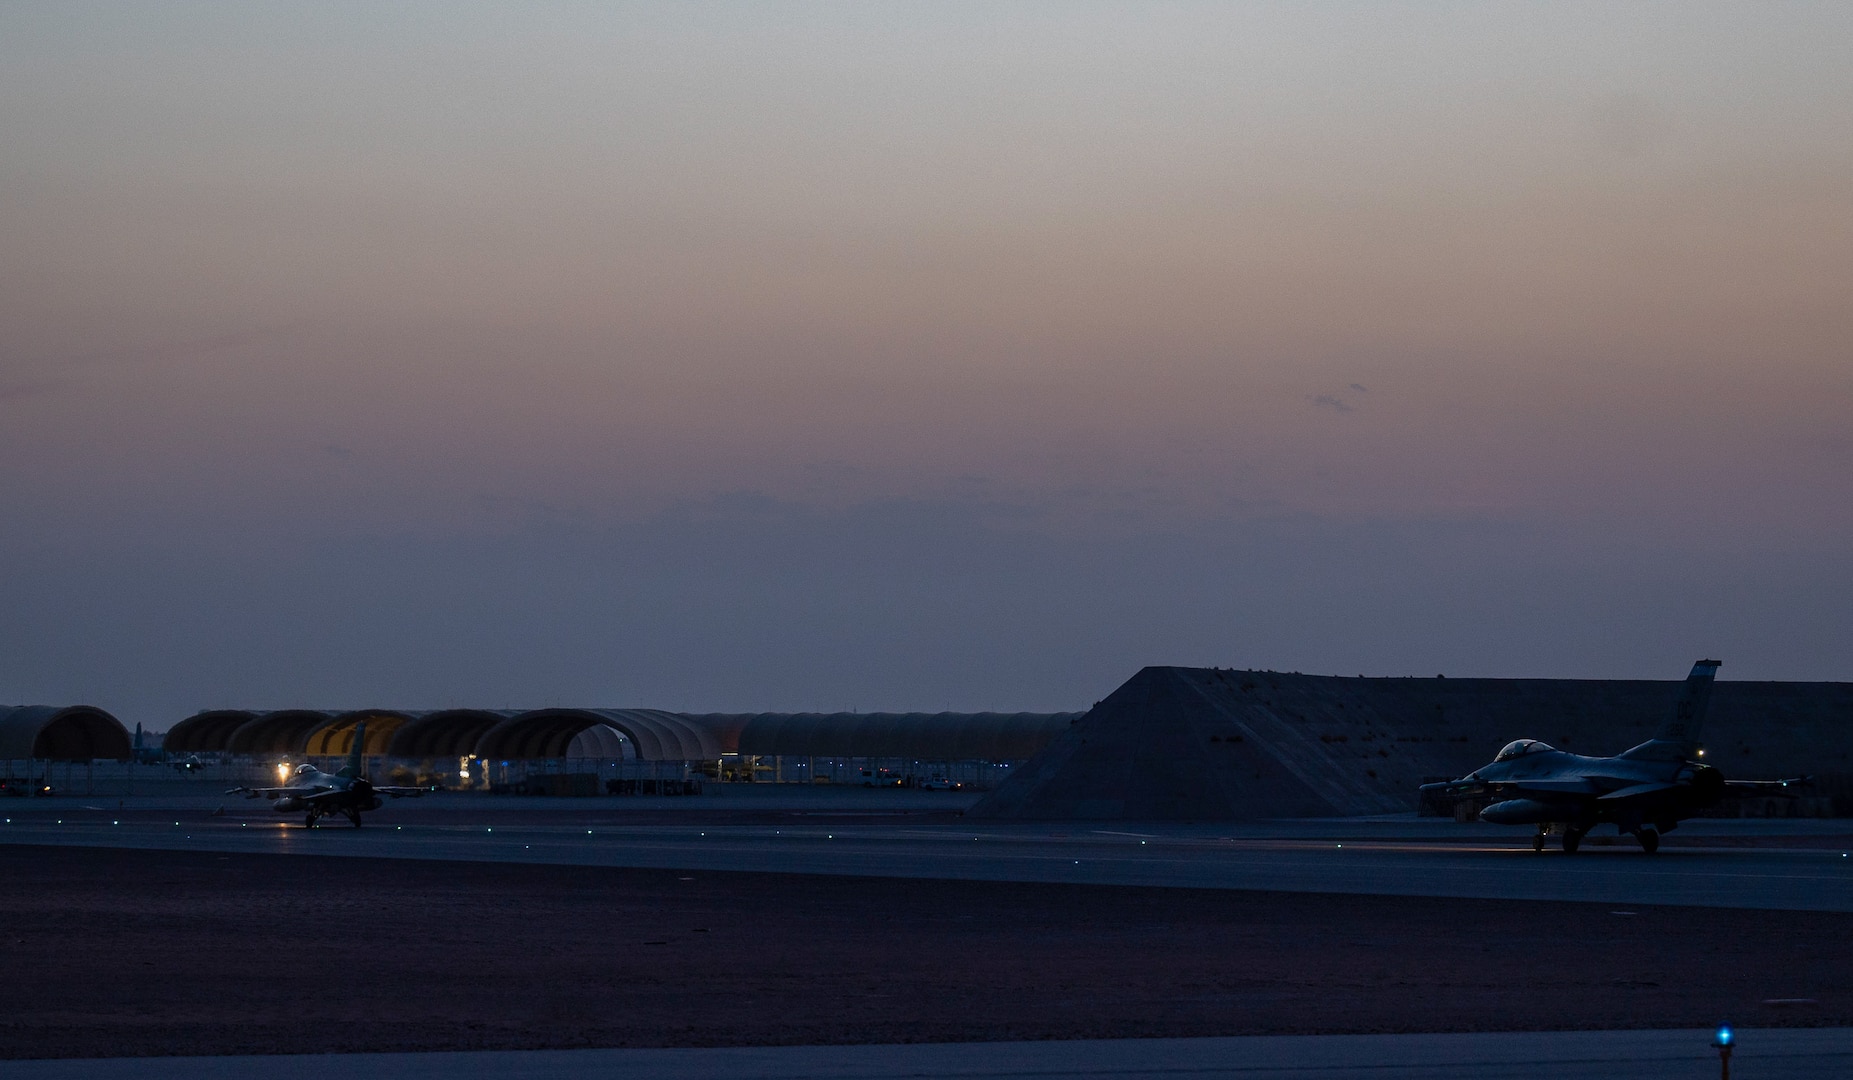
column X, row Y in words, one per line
column 121, row 952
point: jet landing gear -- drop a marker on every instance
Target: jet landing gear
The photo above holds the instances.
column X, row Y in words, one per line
column 314, row 816
column 1650, row 840
column 1572, row 836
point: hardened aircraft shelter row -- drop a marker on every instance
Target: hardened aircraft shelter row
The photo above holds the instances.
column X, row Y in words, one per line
column 620, row 734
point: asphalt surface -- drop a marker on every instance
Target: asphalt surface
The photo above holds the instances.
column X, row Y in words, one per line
column 1800, row 866
column 1640, row 1055
column 121, row 953
column 1773, row 865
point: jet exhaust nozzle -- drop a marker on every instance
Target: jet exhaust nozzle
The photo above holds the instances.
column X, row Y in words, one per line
column 1707, row 785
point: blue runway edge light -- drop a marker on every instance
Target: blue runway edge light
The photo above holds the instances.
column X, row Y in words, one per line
column 1724, row 1037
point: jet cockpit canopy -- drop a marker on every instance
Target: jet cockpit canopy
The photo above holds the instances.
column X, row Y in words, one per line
column 1520, row 748
column 305, row 769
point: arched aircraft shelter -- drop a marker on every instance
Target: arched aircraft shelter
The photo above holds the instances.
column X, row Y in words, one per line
column 206, row 732
column 656, row 735
column 280, row 732
column 447, row 733
column 337, row 736
column 71, row 733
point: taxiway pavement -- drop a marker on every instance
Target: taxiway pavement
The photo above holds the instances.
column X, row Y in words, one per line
column 1404, row 856
column 1641, row 1055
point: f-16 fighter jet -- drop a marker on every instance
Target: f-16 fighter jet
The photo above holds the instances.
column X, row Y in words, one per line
column 1644, row 791
column 318, row 794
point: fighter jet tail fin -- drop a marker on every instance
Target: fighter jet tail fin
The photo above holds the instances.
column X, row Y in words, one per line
column 1678, row 738
column 1689, row 714
column 352, row 769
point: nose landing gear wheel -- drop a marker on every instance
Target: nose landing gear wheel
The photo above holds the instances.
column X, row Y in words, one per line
column 1537, row 842
column 1650, row 840
column 309, row 822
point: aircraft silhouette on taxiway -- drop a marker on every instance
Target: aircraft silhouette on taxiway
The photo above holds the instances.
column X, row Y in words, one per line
column 1643, row 791
column 318, row 794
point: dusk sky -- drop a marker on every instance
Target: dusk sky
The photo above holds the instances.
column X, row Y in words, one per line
column 938, row 356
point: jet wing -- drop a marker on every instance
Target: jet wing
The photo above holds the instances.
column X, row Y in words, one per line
column 279, row 792
column 1750, row 789
column 1569, row 785
column 401, row 792
column 1635, row 790
column 317, row 795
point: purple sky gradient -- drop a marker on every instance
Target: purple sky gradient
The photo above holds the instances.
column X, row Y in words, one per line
column 929, row 356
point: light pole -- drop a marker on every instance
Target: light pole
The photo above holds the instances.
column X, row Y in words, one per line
column 1724, row 1039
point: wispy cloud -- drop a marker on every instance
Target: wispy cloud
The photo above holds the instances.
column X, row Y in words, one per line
column 1328, row 401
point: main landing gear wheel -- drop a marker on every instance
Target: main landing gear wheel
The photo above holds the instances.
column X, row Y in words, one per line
column 1572, row 839
column 1650, row 840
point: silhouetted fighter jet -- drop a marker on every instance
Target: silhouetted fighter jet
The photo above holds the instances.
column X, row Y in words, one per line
column 1644, row 791
column 318, row 794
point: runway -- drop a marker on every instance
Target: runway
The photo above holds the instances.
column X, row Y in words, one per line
column 1773, row 865
column 131, row 949
column 1640, row 1055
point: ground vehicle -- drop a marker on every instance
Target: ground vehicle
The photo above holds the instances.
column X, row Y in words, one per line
column 880, row 778
column 938, row 782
